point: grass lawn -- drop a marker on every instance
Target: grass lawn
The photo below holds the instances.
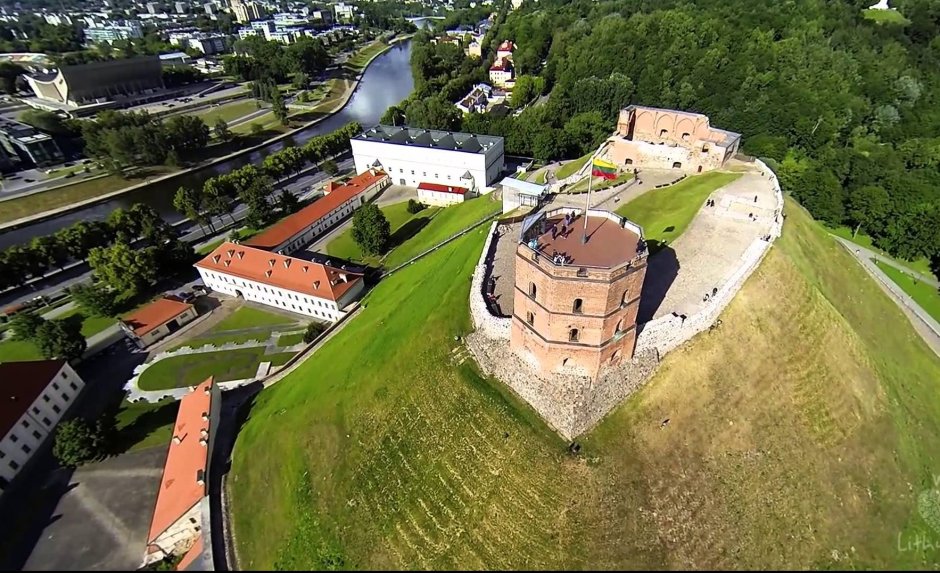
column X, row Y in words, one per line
column 15, row 350
column 91, row 324
column 227, row 111
column 665, row 213
column 403, row 224
column 357, row 62
column 191, row 369
column 885, row 17
column 250, row 317
column 924, row 294
column 144, row 425
column 569, row 168
column 290, row 339
column 921, row 265
column 794, row 418
column 246, row 323
column 209, row 247
column 599, row 183
column 62, row 196
column 446, row 223
column 541, row 176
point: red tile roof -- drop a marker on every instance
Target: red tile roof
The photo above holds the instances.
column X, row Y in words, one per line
column 280, row 271
column 186, row 461
column 503, row 65
column 296, row 223
column 155, row 314
column 20, row 384
column 442, row 188
column 506, row 46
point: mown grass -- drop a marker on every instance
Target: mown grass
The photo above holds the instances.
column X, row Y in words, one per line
column 16, row 350
column 799, row 436
column 571, row 167
column 245, row 324
column 286, row 340
column 91, row 324
column 403, row 224
column 921, row 265
column 665, row 213
column 444, row 224
column 250, row 317
column 892, row 17
column 227, row 111
column 144, row 425
column 357, row 62
column 191, row 369
column 923, row 294
column 598, row 183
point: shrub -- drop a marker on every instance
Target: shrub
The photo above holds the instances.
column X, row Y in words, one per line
column 77, row 442
column 415, row 206
column 314, row 329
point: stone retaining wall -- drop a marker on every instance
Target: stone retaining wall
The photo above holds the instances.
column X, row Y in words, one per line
column 484, row 322
column 666, row 333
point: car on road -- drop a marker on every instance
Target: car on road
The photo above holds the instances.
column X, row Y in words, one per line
column 29, row 180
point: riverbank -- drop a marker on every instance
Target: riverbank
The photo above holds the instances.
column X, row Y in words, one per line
column 352, row 86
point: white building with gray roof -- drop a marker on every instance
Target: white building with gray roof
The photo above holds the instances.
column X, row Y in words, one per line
column 413, row 156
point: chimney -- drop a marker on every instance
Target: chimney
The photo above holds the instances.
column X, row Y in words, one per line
column 205, row 416
column 343, row 277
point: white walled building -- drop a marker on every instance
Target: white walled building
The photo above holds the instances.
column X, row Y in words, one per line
column 34, row 395
column 297, row 285
column 441, row 195
column 412, row 156
column 301, row 228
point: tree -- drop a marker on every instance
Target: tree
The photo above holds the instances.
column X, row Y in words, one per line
column 60, row 339
column 371, row 229
column 415, row 206
column 95, row 298
column 278, row 106
column 77, row 442
column 50, row 122
column 186, row 134
column 330, row 167
column 83, row 237
column 50, row 250
column 867, row 207
column 256, row 128
column 221, row 130
column 25, row 325
column 394, row 115
column 287, row 202
column 300, row 80
column 314, row 329
column 123, row 268
column 9, row 73
column 190, row 204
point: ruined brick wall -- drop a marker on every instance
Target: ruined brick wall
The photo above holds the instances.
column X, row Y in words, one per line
column 493, row 326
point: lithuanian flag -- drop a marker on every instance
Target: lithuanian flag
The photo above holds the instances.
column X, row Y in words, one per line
column 602, row 168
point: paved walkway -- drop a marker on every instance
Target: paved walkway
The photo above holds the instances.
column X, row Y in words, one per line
column 924, row 324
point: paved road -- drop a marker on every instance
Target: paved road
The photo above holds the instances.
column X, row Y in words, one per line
column 78, row 272
column 924, row 324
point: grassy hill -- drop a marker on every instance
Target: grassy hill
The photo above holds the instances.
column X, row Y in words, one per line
column 802, row 433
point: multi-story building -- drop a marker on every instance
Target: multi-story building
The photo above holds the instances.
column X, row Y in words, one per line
column 301, row 228
column 669, row 139
column 245, row 12
column 114, row 30
column 505, row 50
column 577, row 291
column 412, row 156
column 257, row 28
column 344, row 11
column 154, row 8
column 477, row 100
column 206, row 43
column 180, row 7
column 177, row 526
column 29, row 145
column 313, row 289
column 34, row 395
column 502, row 73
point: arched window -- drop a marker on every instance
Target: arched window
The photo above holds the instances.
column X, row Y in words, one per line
column 619, row 326
column 623, row 299
column 663, row 132
column 704, row 148
column 628, row 161
column 615, row 356
column 530, row 318
column 573, row 335
column 685, row 137
column 532, row 290
column 577, row 308
column 677, row 165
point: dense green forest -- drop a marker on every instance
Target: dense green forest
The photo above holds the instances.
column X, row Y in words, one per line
column 846, row 109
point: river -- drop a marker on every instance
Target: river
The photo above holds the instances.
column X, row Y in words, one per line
column 386, row 82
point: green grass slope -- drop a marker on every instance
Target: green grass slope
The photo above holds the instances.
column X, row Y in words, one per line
column 403, row 225
column 800, row 435
column 924, row 294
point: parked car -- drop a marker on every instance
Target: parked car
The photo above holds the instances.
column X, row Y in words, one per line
column 186, row 296
column 201, row 289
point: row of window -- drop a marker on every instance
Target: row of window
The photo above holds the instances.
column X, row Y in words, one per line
column 312, row 311
column 272, row 290
column 577, row 307
column 423, row 173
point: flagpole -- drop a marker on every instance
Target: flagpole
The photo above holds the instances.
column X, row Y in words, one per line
column 588, row 204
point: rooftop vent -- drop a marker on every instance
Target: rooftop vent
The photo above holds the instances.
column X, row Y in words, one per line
column 201, row 477
column 177, row 440
column 316, row 285
column 286, row 263
column 203, row 442
column 271, row 262
column 228, row 262
column 306, row 268
column 204, row 432
column 216, row 258
column 241, row 254
column 205, row 416
column 230, row 252
column 267, row 273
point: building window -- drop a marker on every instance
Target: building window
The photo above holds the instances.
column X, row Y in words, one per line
column 35, row 410
column 619, row 326
column 47, row 421
column 577, row 308
column 676, row 165
column 37, row 435
column 573, row 335
column 56, row 409
column 530, row 318
column 685, row 136
column 65, row 396
column 704, row 148
column 14, row 465
column 532, row 290
column 25, row 424
column 14, row 438
column 412, row 171
column 623, row 299
column 73, row 385
column 26, row 449
column 64, row 376
column 663, row 132
column 55, row 386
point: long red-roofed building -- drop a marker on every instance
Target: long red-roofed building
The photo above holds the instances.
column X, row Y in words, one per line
column 302, row 227
column 442, row 195
column 182, row 502
column 289, row 283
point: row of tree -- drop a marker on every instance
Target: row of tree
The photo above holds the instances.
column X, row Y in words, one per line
column 251, row 185
column 57, row 338
column 257, row 59
column 119, row 140
column 75, row 243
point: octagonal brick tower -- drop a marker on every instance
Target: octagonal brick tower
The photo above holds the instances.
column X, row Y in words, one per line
column 577, row 293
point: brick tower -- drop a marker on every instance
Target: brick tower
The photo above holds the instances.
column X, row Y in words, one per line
column 576, row 300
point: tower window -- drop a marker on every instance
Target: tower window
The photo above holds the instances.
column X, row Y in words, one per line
column 530, row 318
column 663, row 132
column 578, row 306
column 532, row 290
column 573, row 335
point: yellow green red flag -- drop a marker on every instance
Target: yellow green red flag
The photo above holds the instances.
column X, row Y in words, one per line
column 603, row 168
